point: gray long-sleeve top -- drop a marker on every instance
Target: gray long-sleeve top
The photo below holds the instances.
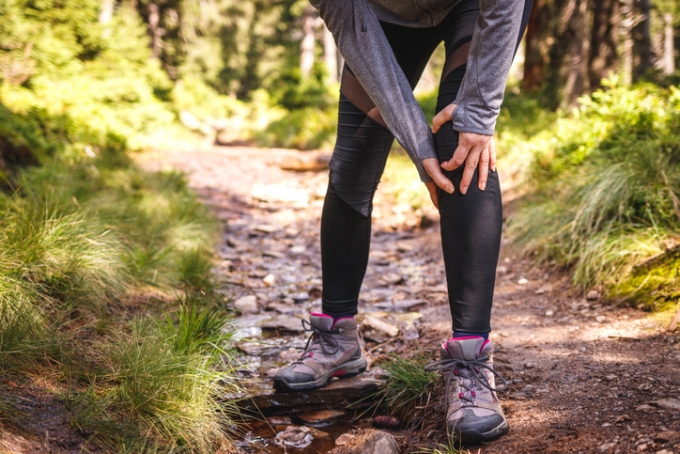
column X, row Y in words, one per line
column 359, row 37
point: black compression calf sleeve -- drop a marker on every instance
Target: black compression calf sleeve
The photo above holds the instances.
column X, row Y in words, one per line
column 470, row 230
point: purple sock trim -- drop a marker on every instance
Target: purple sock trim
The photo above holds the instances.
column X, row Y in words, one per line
column 461, row 334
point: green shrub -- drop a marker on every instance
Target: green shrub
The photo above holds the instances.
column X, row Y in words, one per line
column 606, row 191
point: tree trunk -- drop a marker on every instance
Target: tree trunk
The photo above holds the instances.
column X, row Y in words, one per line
column 668, row 65
column 627, row 50
column 536, row 55
column 567, row 72
column 643, row 51
column 603, row 58
column 330, row 55
column 154, row 30
column 308, row 42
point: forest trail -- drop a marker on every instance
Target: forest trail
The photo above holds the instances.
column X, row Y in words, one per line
column 585, row 376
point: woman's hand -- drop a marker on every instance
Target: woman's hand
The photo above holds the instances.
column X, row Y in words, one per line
column 474, row 150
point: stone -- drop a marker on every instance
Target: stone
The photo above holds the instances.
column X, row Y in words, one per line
column 276, row 193
column 593, row 295
column 247, row 305
column 321, row 418
column 284, row 322
column 380, row 326
column 305, row 161
column 545, row 288
column 600, row 319
column 549, row 313
column 604, row 447
column 643, row 407
column 344, row 439
column 265, row 228
column 269, row 279
column 502, row 269
column 298, row 249
column 400, row 305
column 667, row 437
column 300, row 297
column 670, row 404
column 523, row 281
column 380, row 443
column 391, row 278
column 282, row 308
column 295, row 437
column 338, row 394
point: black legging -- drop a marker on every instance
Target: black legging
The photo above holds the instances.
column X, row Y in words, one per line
column 470, row 224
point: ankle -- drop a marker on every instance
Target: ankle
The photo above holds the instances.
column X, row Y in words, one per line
column 460, row 334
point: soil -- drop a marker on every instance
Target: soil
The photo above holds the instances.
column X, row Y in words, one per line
column 584, row 375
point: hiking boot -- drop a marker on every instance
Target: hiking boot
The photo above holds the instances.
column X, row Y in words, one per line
column 332, row 350
column 473, row 414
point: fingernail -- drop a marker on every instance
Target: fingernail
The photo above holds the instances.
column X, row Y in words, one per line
column 483, row 187
column 449, row 189
column 463, row 189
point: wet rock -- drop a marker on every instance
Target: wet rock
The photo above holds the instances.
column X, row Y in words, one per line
column 247, row 305
column 279, row 421
column 593, row 295
column 336, row 395
column 319, row 434
column 380, row 443
column 670, row 404
column 269, row 279
column 386, row 422
column 294, row 437
column 276, row 193
column 284, row 322
column 321, row 418
column 344, row 439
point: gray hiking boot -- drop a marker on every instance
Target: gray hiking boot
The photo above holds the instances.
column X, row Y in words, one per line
column 332, row 350
column 473, row 414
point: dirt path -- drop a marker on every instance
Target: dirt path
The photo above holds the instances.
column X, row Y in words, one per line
column 585, row 376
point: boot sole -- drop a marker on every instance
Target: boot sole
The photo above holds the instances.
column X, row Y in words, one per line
column 344, row 370
column 473, row 437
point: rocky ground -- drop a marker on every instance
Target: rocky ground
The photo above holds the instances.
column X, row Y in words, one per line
column 585, row 376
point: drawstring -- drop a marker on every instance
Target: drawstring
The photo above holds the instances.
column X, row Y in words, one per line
column 324, row 338
column 476, row 368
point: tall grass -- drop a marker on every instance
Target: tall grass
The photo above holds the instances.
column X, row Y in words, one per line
column 606, row 193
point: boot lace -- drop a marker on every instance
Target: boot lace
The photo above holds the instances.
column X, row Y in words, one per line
column 467, row 374
column 319, row 339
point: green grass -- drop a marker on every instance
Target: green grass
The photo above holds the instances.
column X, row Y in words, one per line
column 407, row 385
column 604, row 194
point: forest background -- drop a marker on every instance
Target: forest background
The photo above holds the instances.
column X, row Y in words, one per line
column 590, row 145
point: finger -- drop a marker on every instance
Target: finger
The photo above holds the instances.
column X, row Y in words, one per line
column 442, row 117
column 469, row 169
column 432, row 189
column 459, row 156
column 483, row 167
column 492, row 155
column 431, row 166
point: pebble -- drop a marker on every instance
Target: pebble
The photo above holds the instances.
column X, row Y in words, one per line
column 546, row 288
column 247, row 305
column 284, row 322
column 593, row 295
column 671, row 404
column 523, row 281
column 549, row 313
column 600, row 319
column 321, row 418
column 269, row 279
column 277, row 193
column 643, row 407
column 606, row 446
column 295, row 437
column 344, row 439
column 502, row 269
column 298, row 250
column 380, row 326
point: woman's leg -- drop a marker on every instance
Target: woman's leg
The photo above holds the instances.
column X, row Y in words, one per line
column 471, row 223
column 361, row 150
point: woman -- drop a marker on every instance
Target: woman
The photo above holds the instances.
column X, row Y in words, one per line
column 386, row 45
